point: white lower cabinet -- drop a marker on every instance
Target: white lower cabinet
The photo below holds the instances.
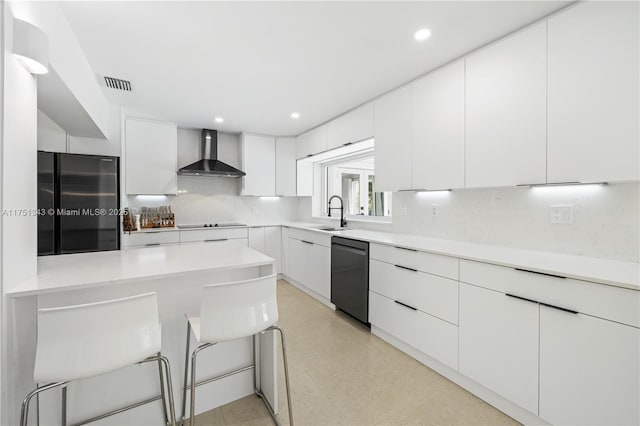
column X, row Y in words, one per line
column 589, row 370
column 428, row 334
column 499, row 344
column 410, row 302
column 309, row 264
column 151, row 238
column 267, row 240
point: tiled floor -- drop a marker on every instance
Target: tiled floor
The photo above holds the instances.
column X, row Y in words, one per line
column 341, row 374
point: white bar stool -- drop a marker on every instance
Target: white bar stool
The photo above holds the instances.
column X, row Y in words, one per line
column 232, row 311
column 81, row 341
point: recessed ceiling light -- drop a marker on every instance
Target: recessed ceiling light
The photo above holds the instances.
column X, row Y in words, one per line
column 219, row 119
column 295, row 115
column 422, row 34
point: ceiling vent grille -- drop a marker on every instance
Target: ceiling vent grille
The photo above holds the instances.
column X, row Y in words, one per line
column 116, row 83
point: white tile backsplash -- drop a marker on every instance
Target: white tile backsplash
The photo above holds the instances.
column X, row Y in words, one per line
column 606, row 219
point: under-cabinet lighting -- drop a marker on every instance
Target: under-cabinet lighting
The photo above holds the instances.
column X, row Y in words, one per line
column 570, row 188
column 277, row 197
column 422, row 34
column 557, row 184
column 432, row 193
column 151, row 197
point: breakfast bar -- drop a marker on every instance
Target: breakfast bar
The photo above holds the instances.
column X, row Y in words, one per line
column 177, row 274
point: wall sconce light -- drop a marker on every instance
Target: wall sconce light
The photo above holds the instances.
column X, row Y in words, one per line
column 31, row 47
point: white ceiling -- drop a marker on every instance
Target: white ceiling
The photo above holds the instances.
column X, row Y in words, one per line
column 254, row 63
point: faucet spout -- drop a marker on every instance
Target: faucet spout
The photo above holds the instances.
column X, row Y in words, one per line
column 343, row 222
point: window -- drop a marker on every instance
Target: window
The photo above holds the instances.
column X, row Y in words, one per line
column 353, row 179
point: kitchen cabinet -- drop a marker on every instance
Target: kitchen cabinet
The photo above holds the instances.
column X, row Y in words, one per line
column 437, row 129
column 286, row 167
column 304, row 178
column 312, row 142
column 589, row 370
column 309, row 262
column 354, row 126
column 505, row 103
column 498, row 338
column 150, row 238
column 428, row 334
column 226, row 236
column 284, row 263
column 258, row 161
column 411, row 299
column 393, row 140
column 268, row 240
column 151, row 155
column 593, row 93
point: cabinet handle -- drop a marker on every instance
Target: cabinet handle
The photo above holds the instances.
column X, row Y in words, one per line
column 559, row 308
column 347, row 144
column 309, row 155
column 152, row 244
column 539, row 273
column 406, row 306
column 521, row 298
column 307, row 242
column 404, row 267
column 219, row 239
column 404, row 248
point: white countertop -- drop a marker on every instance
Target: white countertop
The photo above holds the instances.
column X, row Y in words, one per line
column 603, row 271
column 85, row 270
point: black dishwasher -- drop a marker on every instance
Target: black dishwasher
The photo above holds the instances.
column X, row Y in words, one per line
column 350, row 277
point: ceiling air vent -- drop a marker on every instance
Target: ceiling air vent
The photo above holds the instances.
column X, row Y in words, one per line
column 116, row 83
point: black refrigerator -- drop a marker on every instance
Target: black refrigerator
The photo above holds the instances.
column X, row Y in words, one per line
column 78, row 203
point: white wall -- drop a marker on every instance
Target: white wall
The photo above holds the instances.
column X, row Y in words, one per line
column 53, row 138
column 210, row 200
column 18, row 191
column 66, row 57
column 606, row 218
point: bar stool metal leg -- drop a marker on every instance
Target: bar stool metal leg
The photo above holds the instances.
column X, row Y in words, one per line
column 192, row 401
column 162, row 393
column 63, row 416
column 186, row 375
column 286, row 372
column 24, row 409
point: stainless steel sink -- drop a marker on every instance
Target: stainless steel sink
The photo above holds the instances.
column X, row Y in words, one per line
column 331, row 229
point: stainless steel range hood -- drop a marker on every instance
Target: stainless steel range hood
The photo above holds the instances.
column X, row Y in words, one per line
column 210, row 165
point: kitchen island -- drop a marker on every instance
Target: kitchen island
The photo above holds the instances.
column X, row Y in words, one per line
column 176, row 273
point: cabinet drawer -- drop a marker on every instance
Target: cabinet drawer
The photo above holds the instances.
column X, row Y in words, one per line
column 430, row 335
column 213, row 234
column 432, row 294
column 599, row 300
column 436, row 264
column 232, row 241
column 151, row 238
column 310, row 236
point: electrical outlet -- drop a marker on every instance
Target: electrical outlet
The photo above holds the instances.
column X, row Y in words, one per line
column 403, row 210
column 561, row 214
column 434, row 210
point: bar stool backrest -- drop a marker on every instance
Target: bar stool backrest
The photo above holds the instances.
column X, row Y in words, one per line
column 238, row 309
column 81, row 341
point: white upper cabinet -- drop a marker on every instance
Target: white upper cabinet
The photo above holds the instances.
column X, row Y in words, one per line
column 393, row 140
column 259, row 164
column 286, row 167
column 594, row 93
column 312, row 142
column 354, row 126
column 151, row 156
column 506, row 111
column 437, row 124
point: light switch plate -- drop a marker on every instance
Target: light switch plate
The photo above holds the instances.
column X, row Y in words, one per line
column 434, row 210
column 403, row 210
column 561, row 214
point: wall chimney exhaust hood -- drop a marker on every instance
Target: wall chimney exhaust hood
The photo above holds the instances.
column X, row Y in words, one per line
column 210, row 165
